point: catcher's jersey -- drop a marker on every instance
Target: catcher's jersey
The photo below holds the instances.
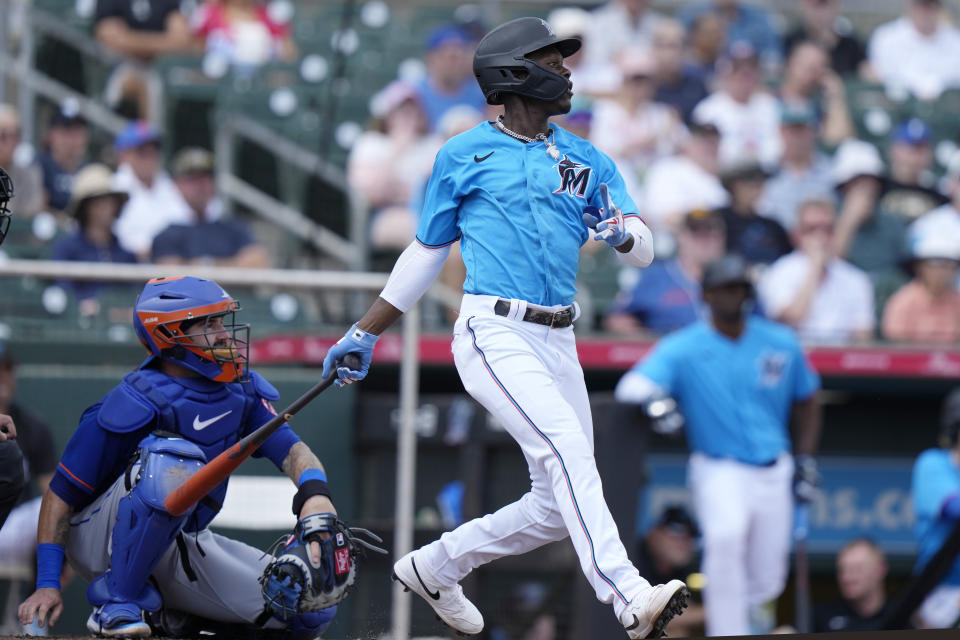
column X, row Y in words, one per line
column 213, row 415
column 736, row 395
column 517, row 210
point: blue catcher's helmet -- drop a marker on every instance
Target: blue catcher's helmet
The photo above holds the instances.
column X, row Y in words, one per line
column 174, row 319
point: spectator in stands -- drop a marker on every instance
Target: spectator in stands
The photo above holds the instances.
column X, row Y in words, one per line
column 746, row 114
column 389, row 162
column 945, row 219
column 66, row 143
column 677, row 184
column 140, row 30
column 630, row 127
column 666, row 295
column 824, row 298
column 95, row 206
column 668, row 551
column 910, row 192
column 243, row 33
column 205, row 239
column 935, row 489
column 760, row 240
column 27, row 176
column 587, row 76
column 744, row 22
column 618, row 24
column 927, row 309
column 706, row 44
column 821, row 22
column 19, row 533
column 803, row 173
column 866, row 235
column 913, row 52
column 861, row 577
column 807, row 78
column 154, row 199
column 449, row 81
column 678, row 83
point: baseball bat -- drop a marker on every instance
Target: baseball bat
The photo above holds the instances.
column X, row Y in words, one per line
column 801, row 569
column 217, row 470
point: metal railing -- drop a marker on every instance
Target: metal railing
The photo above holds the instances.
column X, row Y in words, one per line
column 299, row 279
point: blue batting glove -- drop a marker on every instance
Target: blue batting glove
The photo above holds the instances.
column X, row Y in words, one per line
column 607, row 221
column 355, row 341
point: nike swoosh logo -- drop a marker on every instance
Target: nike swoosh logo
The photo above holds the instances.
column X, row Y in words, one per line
column 435, row 596
column 636, row 623
column 201, row 425
column 477, row 158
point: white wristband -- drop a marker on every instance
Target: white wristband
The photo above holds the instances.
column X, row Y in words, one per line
column 641, row 254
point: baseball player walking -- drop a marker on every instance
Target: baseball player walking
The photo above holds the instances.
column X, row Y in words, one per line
column 522, row 196
column 192, row 398
column 738, row 379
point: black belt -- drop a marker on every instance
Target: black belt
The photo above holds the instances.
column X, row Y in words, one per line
column 553, row 319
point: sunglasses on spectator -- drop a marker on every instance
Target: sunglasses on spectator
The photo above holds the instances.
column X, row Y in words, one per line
column 942, row 263
column 9, row 134
column 149, row 147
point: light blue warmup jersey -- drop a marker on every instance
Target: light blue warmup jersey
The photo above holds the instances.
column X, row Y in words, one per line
column 736, row 395
column 516, row 210
column 935, row 478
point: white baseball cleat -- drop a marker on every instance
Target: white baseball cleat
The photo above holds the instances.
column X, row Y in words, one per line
column 649, row 613
column 449, row 603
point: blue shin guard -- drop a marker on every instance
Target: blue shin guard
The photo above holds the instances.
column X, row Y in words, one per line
column 144, row 530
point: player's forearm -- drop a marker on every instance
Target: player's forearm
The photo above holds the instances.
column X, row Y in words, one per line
column 299, row 459
column 379, row 317
column 638, row 249
column 808, row 421
column 53, row 525
column 415, row 270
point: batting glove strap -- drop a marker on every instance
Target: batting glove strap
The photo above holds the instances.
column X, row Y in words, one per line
column 806, row 479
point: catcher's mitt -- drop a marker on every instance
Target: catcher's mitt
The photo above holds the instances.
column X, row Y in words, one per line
column 292, row 584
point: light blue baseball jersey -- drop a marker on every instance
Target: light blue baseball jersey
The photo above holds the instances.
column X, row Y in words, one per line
column 516, row 210
column 736, row 395
column 935, row 478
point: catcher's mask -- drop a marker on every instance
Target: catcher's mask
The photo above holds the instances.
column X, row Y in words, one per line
column 6, row 194
column 191, row 322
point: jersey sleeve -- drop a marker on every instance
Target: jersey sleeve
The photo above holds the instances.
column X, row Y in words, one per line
column 92, row 459
column 662, row 364
column 438, row 221
column 934, row 481
column 278, row 444
column 607, row 172
column 806, row 381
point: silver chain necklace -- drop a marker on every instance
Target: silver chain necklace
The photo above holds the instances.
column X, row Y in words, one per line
column 552, row 150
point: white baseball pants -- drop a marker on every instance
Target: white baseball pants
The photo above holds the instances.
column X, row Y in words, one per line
column 746, row 516
column 528, row 376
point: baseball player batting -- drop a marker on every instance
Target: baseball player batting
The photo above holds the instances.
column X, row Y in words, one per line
column 522, row 196
column 739, row 380
column 191, row 399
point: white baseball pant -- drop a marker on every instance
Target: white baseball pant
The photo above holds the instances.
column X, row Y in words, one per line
column 528, row 376
column 746, row 516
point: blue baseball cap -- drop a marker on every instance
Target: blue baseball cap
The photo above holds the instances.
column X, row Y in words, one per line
column 913, row 131
column 447, row 34
column 137, row 133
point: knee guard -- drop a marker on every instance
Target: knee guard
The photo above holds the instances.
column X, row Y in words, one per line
column 144, row 529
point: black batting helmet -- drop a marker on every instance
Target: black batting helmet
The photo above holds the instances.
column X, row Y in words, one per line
column 950, row 418
column 730, row 269
column 6, row 194
column 503, row 52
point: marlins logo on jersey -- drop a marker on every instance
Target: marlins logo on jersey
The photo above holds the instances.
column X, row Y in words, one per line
column 574, row 177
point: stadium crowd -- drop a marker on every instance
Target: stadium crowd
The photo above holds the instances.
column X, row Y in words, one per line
column 722, row 107
column 738, row 131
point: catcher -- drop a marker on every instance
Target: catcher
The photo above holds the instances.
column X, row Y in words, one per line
column 150, row 571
